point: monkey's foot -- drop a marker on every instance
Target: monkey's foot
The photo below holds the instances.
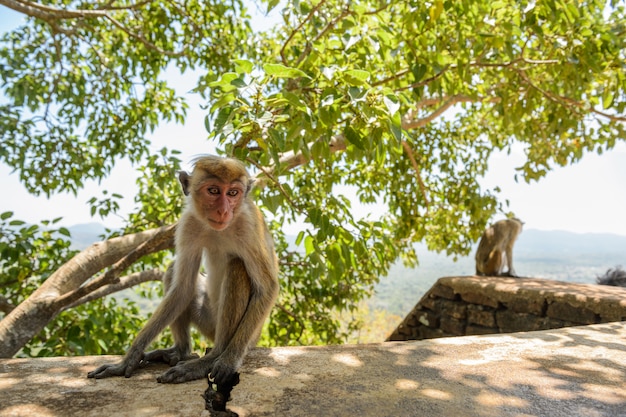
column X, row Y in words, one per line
column 222, row 371
column 171, row 356
column 216, row 398
column 186, row 371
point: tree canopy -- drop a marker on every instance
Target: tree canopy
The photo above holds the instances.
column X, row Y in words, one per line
column 401, row 103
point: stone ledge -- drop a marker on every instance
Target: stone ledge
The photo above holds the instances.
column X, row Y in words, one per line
column 458, row 306
column 569, row 372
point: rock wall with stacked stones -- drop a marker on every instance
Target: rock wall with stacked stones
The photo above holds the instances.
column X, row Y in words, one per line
column 459, row 306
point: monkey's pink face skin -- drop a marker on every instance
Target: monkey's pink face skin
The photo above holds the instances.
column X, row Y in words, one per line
column 218, row 202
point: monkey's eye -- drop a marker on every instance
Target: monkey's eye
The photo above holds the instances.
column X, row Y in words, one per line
column 232, row 193
column 213, row 190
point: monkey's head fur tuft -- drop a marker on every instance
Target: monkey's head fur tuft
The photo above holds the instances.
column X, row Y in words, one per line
column 226, row 169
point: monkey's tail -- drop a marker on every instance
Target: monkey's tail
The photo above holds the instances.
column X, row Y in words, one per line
column 614, row 276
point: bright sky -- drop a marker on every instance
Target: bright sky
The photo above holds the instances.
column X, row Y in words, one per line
column 589, row 196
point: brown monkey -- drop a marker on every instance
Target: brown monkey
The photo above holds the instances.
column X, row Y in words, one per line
column 495, row 249
column 230, row 303
column 613, row 276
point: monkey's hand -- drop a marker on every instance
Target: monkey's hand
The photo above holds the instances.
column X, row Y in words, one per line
column 222, row 371
column 127, row 367
column 171, row 356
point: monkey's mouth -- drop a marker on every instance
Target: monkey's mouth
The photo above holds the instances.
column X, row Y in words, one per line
column 218, row 225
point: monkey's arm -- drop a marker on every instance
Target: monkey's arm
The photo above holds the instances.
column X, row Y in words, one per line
column 173, row 304
column 263, row 275
column 509, row 260
column 232, row 356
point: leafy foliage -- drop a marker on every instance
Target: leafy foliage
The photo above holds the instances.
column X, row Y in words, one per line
column 398, row 103
column 83, row 92
column 29, row 254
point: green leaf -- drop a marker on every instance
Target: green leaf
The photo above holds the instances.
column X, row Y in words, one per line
column 295, row 101
column 281, row 71
column 309, row 245
column 225, row 80
column 271, row 4
column 356, row 77
column 354, row 137
column 222, row 118
column 607, row 98
column 243, row 66
column 299, row 238
column 419, row 71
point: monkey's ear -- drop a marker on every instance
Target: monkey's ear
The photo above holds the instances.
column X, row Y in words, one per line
column 251, row 182
column 183, row 177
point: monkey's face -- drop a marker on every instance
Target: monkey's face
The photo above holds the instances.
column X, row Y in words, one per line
column 217, row 201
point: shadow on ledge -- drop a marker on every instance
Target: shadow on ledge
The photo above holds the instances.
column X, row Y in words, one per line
column 574, row 371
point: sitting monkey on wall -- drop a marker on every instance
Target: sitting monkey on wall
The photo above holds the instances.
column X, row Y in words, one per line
column 613, row 276
column 221, row 226
column 495, row 250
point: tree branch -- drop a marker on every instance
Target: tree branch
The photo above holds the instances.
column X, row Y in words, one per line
column 478, row 64
column 144, row 41
column 576, row 106
column 47, row 13
column 409, row 152
column 44, row 12
column 89, row 262
column 328, row 27
column 280, row 187
column 451, row 101
column 163, row 239
column 296, row 30
column 291, row 159
column 123, row 283
column 52, row 15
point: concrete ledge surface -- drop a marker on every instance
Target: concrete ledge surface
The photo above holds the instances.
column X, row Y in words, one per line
column 575, row 371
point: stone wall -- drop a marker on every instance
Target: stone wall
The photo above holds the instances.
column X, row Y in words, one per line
column 570, row 372
column 459, row 306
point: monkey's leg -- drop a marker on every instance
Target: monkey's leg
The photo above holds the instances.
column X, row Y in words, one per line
column 173, row 305
column 228, row 352
column 181, row 351
column 494, row 263
column 509, row 261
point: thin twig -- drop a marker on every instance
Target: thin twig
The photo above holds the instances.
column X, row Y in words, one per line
column 296, row 30
column 409, row 152
column 280, row 187
column 123, row 283
column 164, row 239
column 568, row 102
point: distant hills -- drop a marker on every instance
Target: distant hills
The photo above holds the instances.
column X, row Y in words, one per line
column 532, row 242
column 559, row 255
column 85, row 234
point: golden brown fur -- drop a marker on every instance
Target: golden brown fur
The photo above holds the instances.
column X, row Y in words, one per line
column 495, row 250
column 222, row 227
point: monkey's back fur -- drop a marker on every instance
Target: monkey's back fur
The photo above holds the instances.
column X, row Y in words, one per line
column 614, row 276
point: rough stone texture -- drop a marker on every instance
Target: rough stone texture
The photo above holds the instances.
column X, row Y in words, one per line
column 457, row 306
column 570, row 372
